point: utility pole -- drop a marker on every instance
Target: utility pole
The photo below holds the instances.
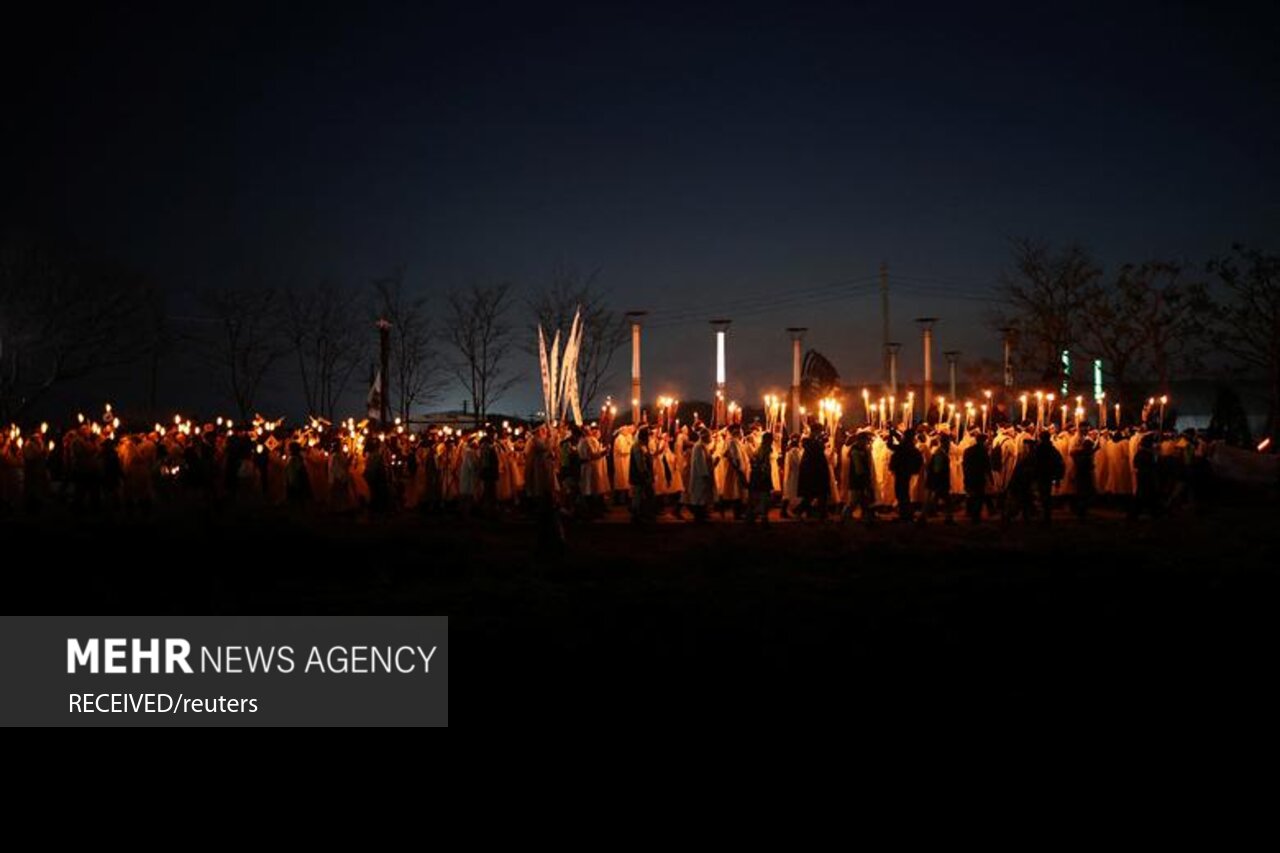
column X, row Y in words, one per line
column 384, row 361
column 884, row 332
column 953, row 357
column 891, row 350
column 718, row 407
column 926, row 331
column 797, row 341
column 634, row 317
column 1007, row 333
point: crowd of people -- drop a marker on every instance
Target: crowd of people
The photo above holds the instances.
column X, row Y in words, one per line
column 1008, row 472
column 693, row 471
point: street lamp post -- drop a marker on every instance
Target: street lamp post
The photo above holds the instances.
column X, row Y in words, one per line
column 953, row 358
column 926, row 331
column 721, row 327
column 797, row 339
column 634, row 317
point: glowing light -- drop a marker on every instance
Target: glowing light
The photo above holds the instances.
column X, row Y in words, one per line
column 720, row 356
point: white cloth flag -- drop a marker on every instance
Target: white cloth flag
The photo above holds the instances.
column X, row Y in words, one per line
column 560, row 373
column 546, row 375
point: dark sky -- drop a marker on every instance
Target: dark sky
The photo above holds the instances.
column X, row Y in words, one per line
column 706, row 159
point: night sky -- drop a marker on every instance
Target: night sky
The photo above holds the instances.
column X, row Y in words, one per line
column 707, row 160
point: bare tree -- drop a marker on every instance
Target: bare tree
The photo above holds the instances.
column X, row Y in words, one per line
column 1151, row 319
column 1114, row 326
column 62, row 317
column 1046, row 293
column 324, row 328
column 1247, row 317
column 246, row 341
column 482, row 337
column 417, row 372
column 1176, row 324
column 604, row 329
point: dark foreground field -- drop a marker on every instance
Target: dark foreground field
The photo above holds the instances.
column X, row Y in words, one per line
column 1179, row 612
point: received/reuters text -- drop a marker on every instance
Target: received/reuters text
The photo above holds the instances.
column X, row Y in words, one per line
column 158, row 703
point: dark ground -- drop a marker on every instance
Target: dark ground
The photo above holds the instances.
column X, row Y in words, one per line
column 1177, row 612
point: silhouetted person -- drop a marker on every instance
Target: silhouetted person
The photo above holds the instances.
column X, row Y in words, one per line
column 861, row 479
column 905, row 462
column 938, row 478
column 1017, row 494
column 488, row 477
column 112, row 473
column 375, row 475
column 976, row 467
column 640, row 475
column 700, row 490
column 760, row 482
column 570, row 467
column 35, row 476
column 297, row 484
column 737, row 472
column 815, row 476
column 1082, row 477
column 541, row 464
column 1049, row 469
column 237, row 450
column 1146, row 496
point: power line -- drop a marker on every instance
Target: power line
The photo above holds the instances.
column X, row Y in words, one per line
column 722, row 304
column 915, row 287
column 783, row 302
column 962, row 282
